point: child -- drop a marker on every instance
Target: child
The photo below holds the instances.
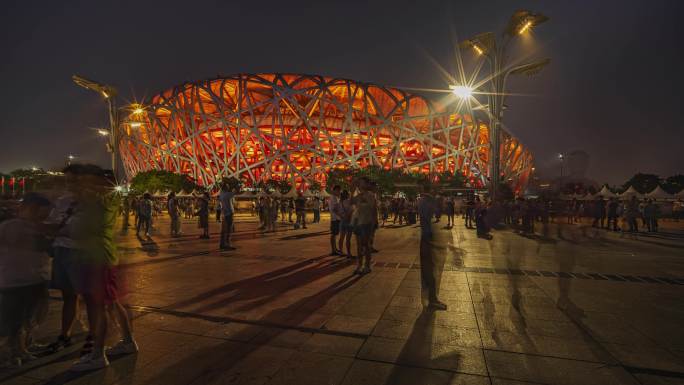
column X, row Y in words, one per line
column 24, row 272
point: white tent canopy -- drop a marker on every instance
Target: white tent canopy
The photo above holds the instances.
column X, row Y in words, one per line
column 630, row 192
column 659, row 193
column 606, row 193
column 291, row 194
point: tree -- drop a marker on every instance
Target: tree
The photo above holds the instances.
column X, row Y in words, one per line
column 643, row 183
column 315, row 186
column 162, row 180
column 232, row 183
column 674, row 184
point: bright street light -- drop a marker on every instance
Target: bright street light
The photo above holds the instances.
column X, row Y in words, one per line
column 495, row 52
column 463, row 92
column 102, row 132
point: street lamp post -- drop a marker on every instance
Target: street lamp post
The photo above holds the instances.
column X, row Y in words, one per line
column 496, row 54
column 109, row 95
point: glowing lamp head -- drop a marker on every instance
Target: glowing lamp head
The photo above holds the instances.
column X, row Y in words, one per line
column 526, row 27
column 102, row 132
column 138, row 111
column 462, row 92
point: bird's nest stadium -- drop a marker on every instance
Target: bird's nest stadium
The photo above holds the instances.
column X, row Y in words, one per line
column 297, row 127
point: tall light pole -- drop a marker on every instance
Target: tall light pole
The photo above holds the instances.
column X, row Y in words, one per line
column 485, row 44
column 109, row 95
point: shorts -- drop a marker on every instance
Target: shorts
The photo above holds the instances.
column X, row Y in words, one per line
column 346, row 227
column 334, row 227
column 363, row 230
column 73, row 271
column 22, row 308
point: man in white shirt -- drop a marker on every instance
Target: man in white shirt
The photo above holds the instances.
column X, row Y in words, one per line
column 226, row 199
column 334, row 208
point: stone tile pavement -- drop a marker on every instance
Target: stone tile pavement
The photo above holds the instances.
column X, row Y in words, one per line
column 580, row 306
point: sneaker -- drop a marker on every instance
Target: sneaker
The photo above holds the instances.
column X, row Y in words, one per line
column 88, row 363
column 366, row 270
column 123, row 347
column 61, row 343
column 437, row 305
column 87, row 346
column 334, row 253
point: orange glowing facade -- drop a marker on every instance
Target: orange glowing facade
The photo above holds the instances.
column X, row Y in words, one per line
column 296, row 127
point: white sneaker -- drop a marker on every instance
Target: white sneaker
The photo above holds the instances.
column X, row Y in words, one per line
column 123, row 347
column 88, row 363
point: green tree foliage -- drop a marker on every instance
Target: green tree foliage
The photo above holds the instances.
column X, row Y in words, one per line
column 233, row 183
column 674, row 184
column 315, row 187
column 282, row 186
column 394, row 180
column 643, row 183
column 162, row 180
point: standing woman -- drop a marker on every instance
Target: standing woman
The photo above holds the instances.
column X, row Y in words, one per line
column 450, row 211
column 203, row 214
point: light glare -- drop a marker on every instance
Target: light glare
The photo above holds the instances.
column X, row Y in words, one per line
column 525, row 27
column 462, row 92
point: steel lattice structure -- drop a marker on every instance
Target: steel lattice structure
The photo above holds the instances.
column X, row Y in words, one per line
column 297, row 127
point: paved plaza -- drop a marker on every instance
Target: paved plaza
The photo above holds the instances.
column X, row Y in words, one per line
column 579, row 306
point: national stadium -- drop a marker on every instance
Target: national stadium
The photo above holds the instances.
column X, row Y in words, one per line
column 297, row 127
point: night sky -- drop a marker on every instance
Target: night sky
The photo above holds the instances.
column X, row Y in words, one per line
column 612, row 89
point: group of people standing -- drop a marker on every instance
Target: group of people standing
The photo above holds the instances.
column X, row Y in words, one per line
column 267, row 209
column 354, row 213
column 66, row 244
column 616, row 215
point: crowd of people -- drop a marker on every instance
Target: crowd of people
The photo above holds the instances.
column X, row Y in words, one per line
column 72, row 237
column 67, row 244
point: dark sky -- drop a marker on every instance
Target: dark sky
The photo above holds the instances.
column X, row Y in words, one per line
column 612, row 89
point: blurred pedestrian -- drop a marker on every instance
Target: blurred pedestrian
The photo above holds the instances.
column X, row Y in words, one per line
column 203, row 215
column 316, row 208
column 363, row 222
column 226, row 198
column 145, row 207
column 335, row 211
column 300, row 211
column 345, row 212
column 174, row 214
column 24, row 273
column 450, row 212
column 426, row 211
